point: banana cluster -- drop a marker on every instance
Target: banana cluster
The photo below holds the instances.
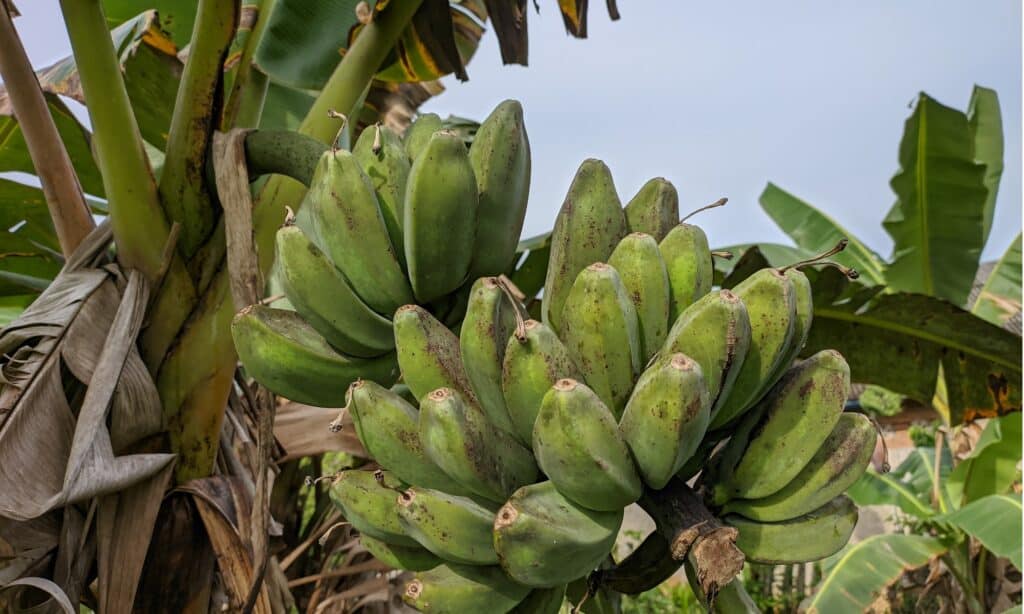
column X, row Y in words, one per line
column 393, row 222
column 510, row 457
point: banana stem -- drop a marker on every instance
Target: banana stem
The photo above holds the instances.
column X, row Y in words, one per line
column 980, row 575
column 244, row 104
column 71, row 217
column 138, row 221
column 718, row 203
column 694, row 533
column 183, row 192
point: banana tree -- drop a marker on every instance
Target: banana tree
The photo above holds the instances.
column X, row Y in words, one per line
column 912, row 324
column 183, row 99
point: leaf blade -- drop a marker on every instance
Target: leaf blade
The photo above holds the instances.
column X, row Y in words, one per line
column 936, row 222
column 995, row 521
column 815, row 232
column 986, row 123
column 1000, row 296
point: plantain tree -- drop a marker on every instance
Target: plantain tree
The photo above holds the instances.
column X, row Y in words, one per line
column 122, row 405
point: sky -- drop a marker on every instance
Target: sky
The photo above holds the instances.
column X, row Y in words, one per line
column 723, row 97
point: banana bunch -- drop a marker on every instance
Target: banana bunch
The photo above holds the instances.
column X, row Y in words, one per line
column 507, row 466
column 393, row 222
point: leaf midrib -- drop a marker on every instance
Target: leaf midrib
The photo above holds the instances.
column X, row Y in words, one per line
column 843, row 316
column 921, row 169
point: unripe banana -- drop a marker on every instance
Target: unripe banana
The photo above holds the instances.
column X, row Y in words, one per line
column 655, row 208
column 666, row 417
column 639, row 264
column 323, row 297
column 461, row 589
column 285, row 354
column 418, row 134
column 715, row 332
column 428, row 353
column 804, row 300
column 483, row 459
column 786, row 428
column 688, row 262
column 810, row 537
column 349, row 224
column 532, row 365
column 381, row 154
column 542, row 601
column 500, row 156
column 837, row 464
column 600, row 330
column 770, row 299
column 545, row 540
column 457, row 529
column 388, row 428
column 588, row 227
column 368, row 500
column 488, row 325
column 579, row 448
column 439, row 228
column 408, row 558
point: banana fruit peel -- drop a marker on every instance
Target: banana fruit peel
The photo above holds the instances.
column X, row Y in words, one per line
column 400, row 220
column 511, row 446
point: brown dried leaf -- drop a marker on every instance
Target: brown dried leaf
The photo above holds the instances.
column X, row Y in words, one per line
column 303, row 431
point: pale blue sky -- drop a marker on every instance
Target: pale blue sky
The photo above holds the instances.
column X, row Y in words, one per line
column 722, row 97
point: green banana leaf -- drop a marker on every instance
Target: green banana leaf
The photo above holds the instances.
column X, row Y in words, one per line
column 910, row 486
column 995, row 521
column 177, row 17
column 816, row 232
column 881, row 401
column 986, row 124
column 991, row 467
column 898, row 340
column 151, row 70
column 14, row 154
column 863, row 570
column 532, row 267
column 999, row 299
column 936, row 223
column 747, row 258
column 304, row 41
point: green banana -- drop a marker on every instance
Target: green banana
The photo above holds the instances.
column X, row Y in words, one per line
column 461, row 589
column 544, row 540
column 639, row 264
column 285, row 354
column 715, row 332
column 785, row 429
column 408, row 558
column 428, row 353
column 454, row 528
column 810, row 537
column 542, row 601
column 439, row 228
column 802, row 324
column 387, row 426
column 770, row 299
column 488, row 325
column 665, row 418
column 418, row 134
column 688, row 262
column 322, row 296
column 576, row 433
column 482, row 458
column 601, row 332
column 349, row 224
column 381, row 154
column 655, row 208
column 838, row 463
column 588, row 227
column 500, row 156
column 532, row 365
column 368, row 500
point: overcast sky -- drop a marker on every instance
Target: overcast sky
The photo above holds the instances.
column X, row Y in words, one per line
column 722, row 97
